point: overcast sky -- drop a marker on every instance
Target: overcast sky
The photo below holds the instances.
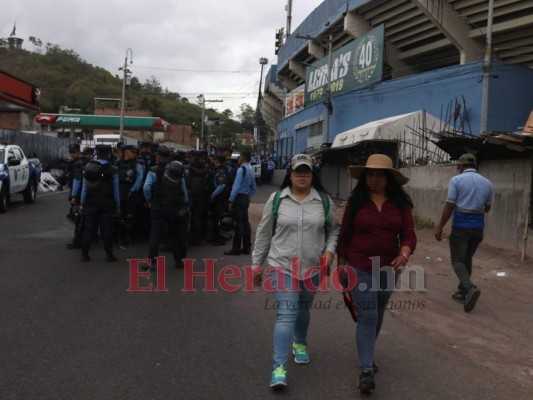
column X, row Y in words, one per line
column 188, row 45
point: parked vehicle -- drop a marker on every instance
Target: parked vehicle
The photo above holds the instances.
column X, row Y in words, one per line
column 17, row 175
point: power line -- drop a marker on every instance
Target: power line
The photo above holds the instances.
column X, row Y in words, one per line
column 197, row 70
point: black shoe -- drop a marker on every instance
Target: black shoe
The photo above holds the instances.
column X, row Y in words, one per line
column 245, row 251
column 471, row 298
column 74, row 245
column 232, row 252
column 85, row 257
column 366, row 381
column 459, row 296
column 110, row 257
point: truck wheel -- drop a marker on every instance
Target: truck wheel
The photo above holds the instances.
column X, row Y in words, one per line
column 30, row 193
column 3, row 198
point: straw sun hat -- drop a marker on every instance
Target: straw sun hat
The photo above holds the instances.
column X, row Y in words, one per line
column 378, row 161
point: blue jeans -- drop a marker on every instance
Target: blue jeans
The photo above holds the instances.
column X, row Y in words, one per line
column 293, row 313
column 370, row 296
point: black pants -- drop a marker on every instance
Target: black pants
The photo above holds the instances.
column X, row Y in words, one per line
column 199, row 205
column 219, row 207
column 243, row 230
column 98, row 217
column 463, row 245
column 165, row 220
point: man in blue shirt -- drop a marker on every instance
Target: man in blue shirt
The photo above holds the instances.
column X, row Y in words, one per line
column 469, row 198
column 239, row 200
column 99, row 198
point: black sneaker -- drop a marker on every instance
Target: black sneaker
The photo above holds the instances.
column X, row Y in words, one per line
column 471, row 298
column 459, row 296
column 366, row 381
column 232, row 252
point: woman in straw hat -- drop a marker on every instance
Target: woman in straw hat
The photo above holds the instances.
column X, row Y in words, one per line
column 377, row 230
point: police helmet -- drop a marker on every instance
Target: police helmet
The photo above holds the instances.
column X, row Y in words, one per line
column 226, row 225
column 174, row 171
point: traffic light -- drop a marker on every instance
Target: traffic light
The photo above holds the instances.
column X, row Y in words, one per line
column 279, row 40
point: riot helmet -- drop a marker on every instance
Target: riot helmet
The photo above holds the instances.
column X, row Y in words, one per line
column 174, row 171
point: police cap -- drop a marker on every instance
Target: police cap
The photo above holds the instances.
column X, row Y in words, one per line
column 103, row 148
column 163, row 151
column 130, row 147
column 73, row 147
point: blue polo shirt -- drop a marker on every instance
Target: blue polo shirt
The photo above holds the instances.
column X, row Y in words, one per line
column 470, row 193
column 244, row 183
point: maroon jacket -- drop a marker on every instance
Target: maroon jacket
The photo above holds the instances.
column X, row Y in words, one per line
column 372, row 233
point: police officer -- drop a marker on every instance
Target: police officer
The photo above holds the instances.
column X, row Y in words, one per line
column 197, row 180
column 74, row 176
column 99, row 200
column 87, row 154
column 167, row 198
column 130, row 180
column 144, row 154
column 219, row 198
column 243, row 189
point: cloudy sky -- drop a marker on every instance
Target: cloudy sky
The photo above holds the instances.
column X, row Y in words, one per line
column 191, row 46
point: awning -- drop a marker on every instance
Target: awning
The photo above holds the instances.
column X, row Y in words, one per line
column 102, row 121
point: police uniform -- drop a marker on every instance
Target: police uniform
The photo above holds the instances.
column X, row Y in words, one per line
column 74, row 176
column 197, row 180
column 130, row 180
column 166, row 195
column 219, row 199
column 99, row 198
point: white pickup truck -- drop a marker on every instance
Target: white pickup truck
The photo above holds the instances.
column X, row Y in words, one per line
column 17, row 175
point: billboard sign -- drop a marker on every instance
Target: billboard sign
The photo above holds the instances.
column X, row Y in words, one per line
column 356, row 65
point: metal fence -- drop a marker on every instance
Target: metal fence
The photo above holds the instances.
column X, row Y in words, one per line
column 49, row 149
column 280, row 150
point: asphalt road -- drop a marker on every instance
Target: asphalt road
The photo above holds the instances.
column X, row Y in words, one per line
column 72, row 330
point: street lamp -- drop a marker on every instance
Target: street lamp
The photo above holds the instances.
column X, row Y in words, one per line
column 262, row 61
column 201, row 101
column 329, row 108
column 125, row 81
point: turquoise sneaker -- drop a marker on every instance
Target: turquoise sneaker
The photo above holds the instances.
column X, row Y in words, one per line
column 279, row 377
column 300, row 353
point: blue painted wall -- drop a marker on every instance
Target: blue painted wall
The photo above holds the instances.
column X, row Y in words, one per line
column 511, row 100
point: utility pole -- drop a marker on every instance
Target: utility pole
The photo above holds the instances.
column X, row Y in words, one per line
column 288, row 8
column 486, row 71
column 125, row 81
column 257, row 134
column 202, row 101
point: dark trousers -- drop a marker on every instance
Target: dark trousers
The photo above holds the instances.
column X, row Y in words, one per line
column 463, row 245
column 98, row 217
column 219, row 207
column 243, row 230
column 199, row 207
column 167, row 226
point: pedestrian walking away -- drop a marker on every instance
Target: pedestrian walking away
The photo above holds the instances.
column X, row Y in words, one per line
column 376, row 239
column 243, row 189
column 100, row 200
column 298, row 220
column 469, row 198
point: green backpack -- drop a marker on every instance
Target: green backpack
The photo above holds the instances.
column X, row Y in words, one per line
column 277, row 202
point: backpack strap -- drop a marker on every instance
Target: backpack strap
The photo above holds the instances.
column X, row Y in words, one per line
column 277, row 201
column 275, row 209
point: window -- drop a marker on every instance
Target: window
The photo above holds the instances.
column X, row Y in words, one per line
column 316, row 129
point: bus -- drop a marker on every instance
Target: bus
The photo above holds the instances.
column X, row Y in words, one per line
column 110, row 139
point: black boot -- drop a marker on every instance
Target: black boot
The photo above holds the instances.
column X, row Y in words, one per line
column 109, row 256
column 366, row 381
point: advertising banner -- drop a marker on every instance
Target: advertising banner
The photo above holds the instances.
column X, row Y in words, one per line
column 294, row 101
column 358, row 64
